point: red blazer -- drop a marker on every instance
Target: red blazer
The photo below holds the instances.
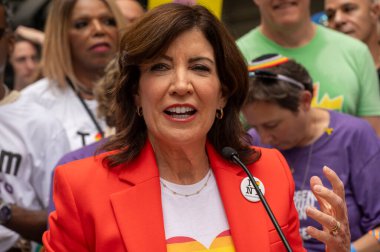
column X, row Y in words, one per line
column 119, row 209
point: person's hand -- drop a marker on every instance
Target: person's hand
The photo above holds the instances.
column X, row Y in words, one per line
column 332, row 214
column 31, row 34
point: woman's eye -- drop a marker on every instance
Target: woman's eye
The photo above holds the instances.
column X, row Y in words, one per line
column 271, row 126
column 80, row 24
column 109, row 21
column 159, row 67
column 201, row 68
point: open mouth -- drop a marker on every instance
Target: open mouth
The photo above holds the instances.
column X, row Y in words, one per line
column 284, row 5
column 180, row 112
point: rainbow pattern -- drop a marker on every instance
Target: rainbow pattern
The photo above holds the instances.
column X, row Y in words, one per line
column 222, row 243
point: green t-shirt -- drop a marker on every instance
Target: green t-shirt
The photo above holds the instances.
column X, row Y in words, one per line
column 342, row 69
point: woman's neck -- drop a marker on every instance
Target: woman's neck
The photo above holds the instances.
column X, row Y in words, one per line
column 86, row 83
column 181, row 164
column 317, row 123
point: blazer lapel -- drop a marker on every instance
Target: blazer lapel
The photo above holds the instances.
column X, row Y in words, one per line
column 138, row 209
column 247, row 220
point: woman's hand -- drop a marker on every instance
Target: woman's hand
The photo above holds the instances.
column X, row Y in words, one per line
column 332, row 214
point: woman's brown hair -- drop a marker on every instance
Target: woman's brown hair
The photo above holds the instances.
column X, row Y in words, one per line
column 149, row 38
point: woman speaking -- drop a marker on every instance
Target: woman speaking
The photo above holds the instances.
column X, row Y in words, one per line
column 164, row 185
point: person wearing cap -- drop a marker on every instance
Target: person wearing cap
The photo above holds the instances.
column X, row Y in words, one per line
column 342, row 68
column 278, row 109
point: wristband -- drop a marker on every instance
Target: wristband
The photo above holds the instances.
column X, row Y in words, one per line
column 352, row 248
column 375, row 233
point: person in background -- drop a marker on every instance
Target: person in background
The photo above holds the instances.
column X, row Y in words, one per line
column 24, row 60
column 342, row 68
column 131, row 9
column 32, row 141
column 164, row 185
column 358, row 19
column 102, row 92
column 92, row 29
column 279, row 109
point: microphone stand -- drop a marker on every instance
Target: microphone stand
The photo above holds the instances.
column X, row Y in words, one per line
column 235, row 158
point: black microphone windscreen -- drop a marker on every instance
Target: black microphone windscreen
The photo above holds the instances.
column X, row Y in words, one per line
column 229, row 152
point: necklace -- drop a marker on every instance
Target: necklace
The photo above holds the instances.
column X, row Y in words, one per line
column 308, row 160
column 190, row 194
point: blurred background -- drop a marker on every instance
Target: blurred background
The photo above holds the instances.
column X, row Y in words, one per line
column 239, row 15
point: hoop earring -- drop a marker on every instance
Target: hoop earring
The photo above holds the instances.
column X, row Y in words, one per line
column 219, row 113
column 139, row 111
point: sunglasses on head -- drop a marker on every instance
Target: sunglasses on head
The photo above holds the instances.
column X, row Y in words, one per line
column 263, row 74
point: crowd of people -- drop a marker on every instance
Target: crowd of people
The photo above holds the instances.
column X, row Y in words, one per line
column 114, row 123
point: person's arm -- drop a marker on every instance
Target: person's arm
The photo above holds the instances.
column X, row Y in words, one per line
column 365, row 165
column 28, row 223
column 34, row 35
column 375, row 123
column 369, row 92
column 368, row 242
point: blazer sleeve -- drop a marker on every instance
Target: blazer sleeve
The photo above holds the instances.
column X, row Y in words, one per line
column 293, row 236
column 64, row 235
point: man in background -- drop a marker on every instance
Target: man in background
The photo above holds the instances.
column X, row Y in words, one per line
column 358, row 19
column 25, row 62
column 342, row 68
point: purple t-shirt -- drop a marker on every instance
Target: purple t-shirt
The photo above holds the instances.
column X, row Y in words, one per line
column 351, row 148
column 84, row 152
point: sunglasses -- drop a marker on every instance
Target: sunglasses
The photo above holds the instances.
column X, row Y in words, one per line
column 262, row 74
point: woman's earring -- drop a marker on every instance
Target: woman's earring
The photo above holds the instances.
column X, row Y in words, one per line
column 219, row 113
column 139, row 111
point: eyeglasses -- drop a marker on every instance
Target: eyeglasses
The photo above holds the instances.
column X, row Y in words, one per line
column 273, row 76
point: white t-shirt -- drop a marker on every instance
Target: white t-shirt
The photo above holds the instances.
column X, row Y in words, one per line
column 66, row 106
column 197, row 222
column 32, row 141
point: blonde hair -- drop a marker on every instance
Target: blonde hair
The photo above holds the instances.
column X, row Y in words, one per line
column 56, row 57
column 103, row 92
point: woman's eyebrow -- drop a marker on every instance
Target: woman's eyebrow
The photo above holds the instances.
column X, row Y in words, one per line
column 200, row 58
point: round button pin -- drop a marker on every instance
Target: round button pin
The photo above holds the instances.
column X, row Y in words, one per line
column 249, row 192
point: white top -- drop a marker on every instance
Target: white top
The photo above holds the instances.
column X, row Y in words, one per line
column 32, row 141
column 200, row 218
column 66, row 106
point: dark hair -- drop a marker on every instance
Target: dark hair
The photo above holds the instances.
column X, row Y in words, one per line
column 150, row 37
column 7, row 12
column 279, row 91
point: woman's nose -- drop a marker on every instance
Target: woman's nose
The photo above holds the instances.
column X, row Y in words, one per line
column 98, row 27
column 181, row 84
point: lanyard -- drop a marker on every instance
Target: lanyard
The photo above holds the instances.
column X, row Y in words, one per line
column 90, row 114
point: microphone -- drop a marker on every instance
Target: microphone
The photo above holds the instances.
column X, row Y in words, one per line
column 232, row 155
